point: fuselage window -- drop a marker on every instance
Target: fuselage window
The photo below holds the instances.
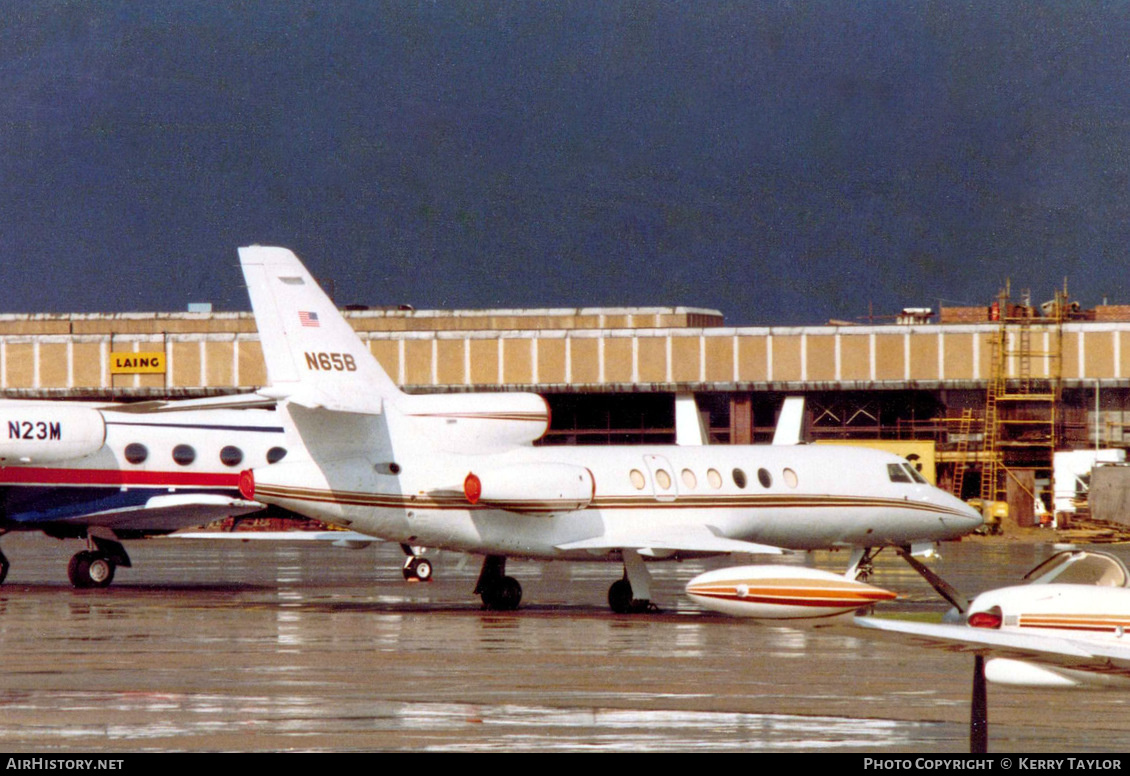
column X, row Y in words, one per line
column 714, row 478
column 790, row 478
column 739, row 478
column 231, row 456
column 663, row 479
column 136, row 452
column 915, row 474
column 638, row 481
column 276, row 454
column 689, row 479
column 764, row 478
column 184, row 454
column 897, row 473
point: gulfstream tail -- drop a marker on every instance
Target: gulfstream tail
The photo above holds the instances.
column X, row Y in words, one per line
column 461, row 471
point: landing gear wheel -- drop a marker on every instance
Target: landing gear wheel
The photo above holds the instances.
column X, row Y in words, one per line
column 418, row 570
column 90, row 569
column 620, row 599
column 4, row 565
column 502, row 595
column 100, row 571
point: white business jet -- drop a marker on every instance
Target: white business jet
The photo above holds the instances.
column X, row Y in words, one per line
column 108, row 472
column 461, row 472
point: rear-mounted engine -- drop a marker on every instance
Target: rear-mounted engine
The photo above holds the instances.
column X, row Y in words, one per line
column 49, row 433
column 534, row 488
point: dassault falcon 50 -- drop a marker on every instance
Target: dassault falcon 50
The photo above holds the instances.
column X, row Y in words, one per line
column 461, row 471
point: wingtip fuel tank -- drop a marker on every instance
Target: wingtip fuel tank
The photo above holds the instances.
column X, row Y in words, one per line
column 774, row 592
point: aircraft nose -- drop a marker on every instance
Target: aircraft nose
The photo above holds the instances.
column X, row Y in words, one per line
column 965, row 513
column 958, row 517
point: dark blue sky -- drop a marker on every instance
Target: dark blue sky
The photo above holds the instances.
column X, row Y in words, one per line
column 785, row 162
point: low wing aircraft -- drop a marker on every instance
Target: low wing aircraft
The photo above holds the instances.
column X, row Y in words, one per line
column 108, row 472
column 1065, row 628
column 461, row 472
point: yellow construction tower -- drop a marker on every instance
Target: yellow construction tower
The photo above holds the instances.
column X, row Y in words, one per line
column 1024, row 389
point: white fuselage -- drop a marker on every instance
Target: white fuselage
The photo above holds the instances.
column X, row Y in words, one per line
column 460, row 471
column 82, row 465
column 798, row 497
column 1078, row 614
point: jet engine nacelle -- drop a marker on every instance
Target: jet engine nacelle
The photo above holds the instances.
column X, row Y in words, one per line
column 47, row 433
column 536, row 488
column 476, row 422
column 782, row 592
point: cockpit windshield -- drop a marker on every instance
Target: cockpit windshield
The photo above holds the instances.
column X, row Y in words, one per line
column 917, row 475
column 1078, row 567
column 904, row 472
column 897, row 473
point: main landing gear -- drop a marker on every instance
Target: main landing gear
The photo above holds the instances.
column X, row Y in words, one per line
column 91, row 569
column 632, row 593
column 416, row 568
column 499, row 592
column 4, row 566
column 95, row 567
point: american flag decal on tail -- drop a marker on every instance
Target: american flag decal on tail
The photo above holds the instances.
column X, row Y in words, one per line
column 308, row 318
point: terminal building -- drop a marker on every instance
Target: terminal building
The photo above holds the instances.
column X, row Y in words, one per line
column 984, row 396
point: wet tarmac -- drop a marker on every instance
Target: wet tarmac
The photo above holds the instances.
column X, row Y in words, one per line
column 252, row 646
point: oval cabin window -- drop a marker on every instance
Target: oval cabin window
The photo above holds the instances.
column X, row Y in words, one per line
column 638, row 481
column 231, row 456
column 184, row 454
column 136, row 453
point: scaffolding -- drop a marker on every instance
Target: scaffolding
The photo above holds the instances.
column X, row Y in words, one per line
column 965, row 428
column 1024, row 390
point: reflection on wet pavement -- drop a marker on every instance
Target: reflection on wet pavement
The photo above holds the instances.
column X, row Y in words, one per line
column 249, row 647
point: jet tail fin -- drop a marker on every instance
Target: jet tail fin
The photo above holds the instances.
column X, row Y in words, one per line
column 313, row 356
column 790, row 423
column 689, row 430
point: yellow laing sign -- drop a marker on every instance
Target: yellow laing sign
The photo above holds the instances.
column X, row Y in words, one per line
column 137, row 363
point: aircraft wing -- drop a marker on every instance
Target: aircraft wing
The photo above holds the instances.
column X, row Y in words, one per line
column 348, row 539
column 239, row 401
column 664, row 545
column 168, row 512
column 1062, row 652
